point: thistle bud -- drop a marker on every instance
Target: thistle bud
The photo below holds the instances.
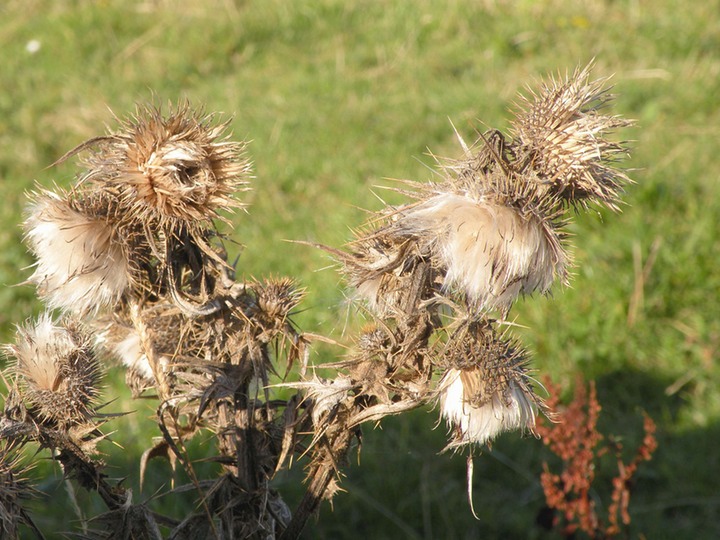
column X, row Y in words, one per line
column 276, row 298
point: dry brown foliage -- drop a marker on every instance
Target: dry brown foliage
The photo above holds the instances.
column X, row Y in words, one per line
column 575, row 439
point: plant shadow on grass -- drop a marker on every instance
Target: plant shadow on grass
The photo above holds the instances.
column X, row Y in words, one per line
column 404, row 487
column 685, row 467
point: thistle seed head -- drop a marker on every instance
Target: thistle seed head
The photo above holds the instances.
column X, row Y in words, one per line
column 391, row 266
column 485, row 235
column 82, row 258
column 486, row 390
column 480, row 422
column 562, row 135
column 58, row 370
column 489, row 252
column 177, row 168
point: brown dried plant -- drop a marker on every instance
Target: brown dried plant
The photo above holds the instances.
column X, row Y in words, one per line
column 574, row 437
column 131, row 255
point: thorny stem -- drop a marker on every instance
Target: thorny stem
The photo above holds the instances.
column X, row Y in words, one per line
column 412, row 333
column 308, row 505
column 181, row 455
column 321, row 478
column 70, row 456
column 236, row 439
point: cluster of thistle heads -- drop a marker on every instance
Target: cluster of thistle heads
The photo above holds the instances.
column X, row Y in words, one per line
column 131, row 258
column 131, row 266
column 466, row 247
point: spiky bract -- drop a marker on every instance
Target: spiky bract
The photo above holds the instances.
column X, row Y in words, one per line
column 15, row 489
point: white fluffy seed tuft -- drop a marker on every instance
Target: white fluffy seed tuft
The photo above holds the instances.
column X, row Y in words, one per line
column 490, row 252
column 506, row 410
column 81, row 265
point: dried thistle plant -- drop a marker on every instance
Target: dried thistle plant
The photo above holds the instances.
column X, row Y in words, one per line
column 492, row 230
column 132, row 253
column 439, row 275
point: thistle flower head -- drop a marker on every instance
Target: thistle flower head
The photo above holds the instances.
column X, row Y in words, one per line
column 57, row 368
column 177, row 168
column 82, row 260
column 486, row 390
column 562, row 135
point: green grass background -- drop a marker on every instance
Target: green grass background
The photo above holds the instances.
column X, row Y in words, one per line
column 336, row 98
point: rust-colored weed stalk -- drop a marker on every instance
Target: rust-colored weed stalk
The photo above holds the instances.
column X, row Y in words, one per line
column 574, row 437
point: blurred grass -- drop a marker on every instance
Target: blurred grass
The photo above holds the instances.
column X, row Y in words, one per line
column 338, row 96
